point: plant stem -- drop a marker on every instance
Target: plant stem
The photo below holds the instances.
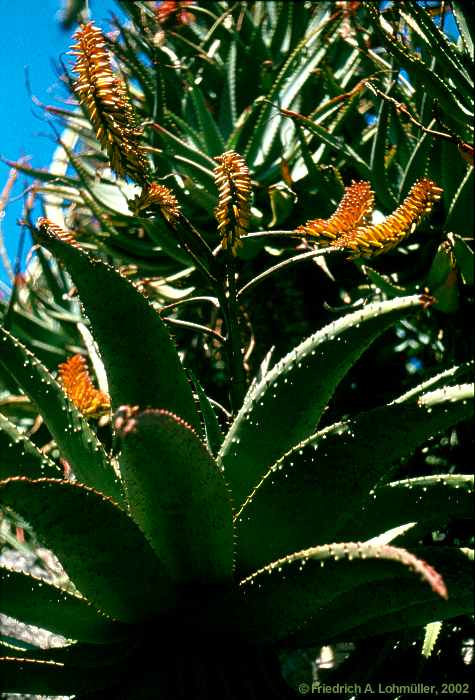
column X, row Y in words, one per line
column 229, row 307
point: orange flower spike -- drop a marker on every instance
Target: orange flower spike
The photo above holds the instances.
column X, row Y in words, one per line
column 373, row 240
column 78, row 386
column 104, row 96
column 233, row 212
column 353, row 210
column 160, row 196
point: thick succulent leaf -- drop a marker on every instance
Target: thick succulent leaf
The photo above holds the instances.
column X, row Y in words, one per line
column 178, row 497
column 379, row 177
column 79, row 654
column 20, row 456
column 464, row 257
column 453, row 105
column 285, row 407
column 41, row 175
column 100, row 547
column 333, row 141
column 290, row 80
column 37, row 602
column 460, row 215
column 417, row 162
column 142, row 364
column 40, row 336
column 462, row 14
column 208, row 127
column 212, row 431
column 387, row 606
column 188, row 159
column 280, row 598
column 76, row 441
column 429, row 501
column 320, row 485
column 447, row 377
column 441, row 48
column 21, row 674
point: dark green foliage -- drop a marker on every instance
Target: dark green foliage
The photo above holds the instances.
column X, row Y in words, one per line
column 202, row 535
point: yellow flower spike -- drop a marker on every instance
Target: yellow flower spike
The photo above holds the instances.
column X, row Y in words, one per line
column 352, row 211
column 155, row 195
column 105, row 98
column 234, row 193
column 57, row 231
column 370, row 241
column 78, row 386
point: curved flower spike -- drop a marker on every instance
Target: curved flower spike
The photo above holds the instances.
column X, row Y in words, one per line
column 234, row 192
column 160, row 196
column 373, row 240
column 353, row 210
column 78, row 386
column 105, row 98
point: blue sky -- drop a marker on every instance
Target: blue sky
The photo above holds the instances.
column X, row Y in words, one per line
column 33, row 38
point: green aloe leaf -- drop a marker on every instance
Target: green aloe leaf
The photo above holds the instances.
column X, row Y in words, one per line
column 178, row 497
column 460, row 216
column 464, row 257
column 429, row 501
column 20, row 456
column 449, row 99
column 417, row 162
column 93, row 538
column 25, row 675
column 212, row 431
column 335, row 142
column 442, row 49
column 45, row 340
column 37, row 602
column 281, row 597
column 200, row 165
column 76, row 441
column 379, row 178
column 41, row 175
column 447, row 377
column 141, row 362
column 302, row 382
column 228, row 109
column 208, row 127
column 292, row 77
column 383, row 282
column 462, row 16
column 321, row 484
column 387, row 606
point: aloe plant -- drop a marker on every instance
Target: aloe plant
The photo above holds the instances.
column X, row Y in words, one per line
column 191, row 562
column 252, row 531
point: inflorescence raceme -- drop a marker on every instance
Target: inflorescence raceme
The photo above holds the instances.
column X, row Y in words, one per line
column 155, row 196
column 234, row 193
column 105, row 98
column 78, row 386
column 348, row 229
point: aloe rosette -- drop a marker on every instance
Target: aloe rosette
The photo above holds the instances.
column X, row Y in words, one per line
column 193, row 558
